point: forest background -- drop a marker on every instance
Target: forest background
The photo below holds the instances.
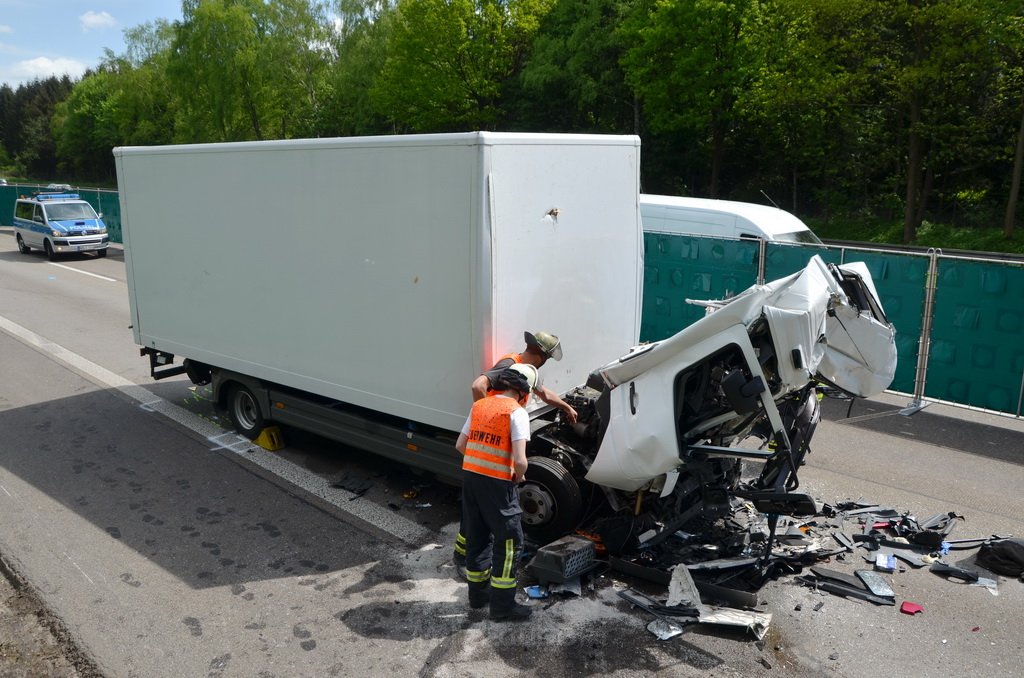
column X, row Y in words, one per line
column 881, row 120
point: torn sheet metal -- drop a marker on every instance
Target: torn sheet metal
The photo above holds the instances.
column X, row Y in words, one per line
column 681, row 588
column 755, row 622
column 987, row 583
column 665, row 628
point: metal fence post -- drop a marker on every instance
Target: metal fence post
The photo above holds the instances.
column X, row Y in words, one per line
column 762, row 260
column 924, row 342
column 1020, row 397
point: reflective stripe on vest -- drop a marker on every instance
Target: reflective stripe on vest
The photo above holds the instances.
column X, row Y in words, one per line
column 489, row 444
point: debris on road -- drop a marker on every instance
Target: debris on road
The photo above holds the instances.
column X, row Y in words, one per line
column 911, row 608
column 712, row 569
column 356, row 483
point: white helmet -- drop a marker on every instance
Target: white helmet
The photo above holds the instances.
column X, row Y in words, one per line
column 528, row 371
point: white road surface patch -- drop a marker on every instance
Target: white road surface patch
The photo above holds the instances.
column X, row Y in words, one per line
column 378, row 516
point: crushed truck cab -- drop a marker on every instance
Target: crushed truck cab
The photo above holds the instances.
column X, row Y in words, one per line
column 662, row 429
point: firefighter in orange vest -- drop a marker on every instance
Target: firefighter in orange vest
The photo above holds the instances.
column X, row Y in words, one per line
column 540, row 346
column 493, row 445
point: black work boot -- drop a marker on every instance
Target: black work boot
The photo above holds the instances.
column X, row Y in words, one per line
column 505, row 608
column 479, row 594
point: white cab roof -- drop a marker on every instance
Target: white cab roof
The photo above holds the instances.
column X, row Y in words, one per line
column 771, row 219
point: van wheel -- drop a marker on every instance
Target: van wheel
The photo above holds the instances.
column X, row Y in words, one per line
column 244, row 411
column 550, row 499
column 101, row 253
column 22, row 247
column 48, row 248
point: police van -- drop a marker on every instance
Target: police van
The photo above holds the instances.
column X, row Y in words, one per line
column 58, row 223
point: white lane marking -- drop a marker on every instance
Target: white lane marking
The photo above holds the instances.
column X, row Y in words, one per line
column 80, row 569
column 6, row 492
column 77, row 270
column 374, row 514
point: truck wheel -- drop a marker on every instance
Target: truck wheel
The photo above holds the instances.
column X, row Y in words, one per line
column 244, row 411
column 551, row 502
column 48, row 248
column 22, row 247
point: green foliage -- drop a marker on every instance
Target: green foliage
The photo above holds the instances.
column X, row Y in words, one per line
column 851, row 112
column 247, row 69
column 571, row 81
column 943, row 236
column 448, row 61
column 360, row 45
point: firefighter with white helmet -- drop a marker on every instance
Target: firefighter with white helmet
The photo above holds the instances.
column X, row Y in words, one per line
column 540, row 347
column 493, row 445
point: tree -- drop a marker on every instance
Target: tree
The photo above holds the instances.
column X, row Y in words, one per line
column 572, row 80
column 687, row 62
column 247, row 69
column 1013, row 83
column 359, row 44
column 449, row 61
column 84, row 130
column 26, row 124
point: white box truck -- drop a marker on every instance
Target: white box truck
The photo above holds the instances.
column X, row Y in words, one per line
column 380, row 275
column 356, row 287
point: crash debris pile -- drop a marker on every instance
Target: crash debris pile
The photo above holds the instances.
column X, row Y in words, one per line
column 712, row 571
column 881, row 541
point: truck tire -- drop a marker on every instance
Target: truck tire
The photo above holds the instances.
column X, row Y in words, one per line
column 244, row 411
column 22, row 247
column 550, row 499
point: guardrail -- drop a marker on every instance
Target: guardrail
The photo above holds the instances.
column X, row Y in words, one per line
column 959, row 318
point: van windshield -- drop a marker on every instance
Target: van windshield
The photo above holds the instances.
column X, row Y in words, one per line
column 805, row 237
column 70, row 210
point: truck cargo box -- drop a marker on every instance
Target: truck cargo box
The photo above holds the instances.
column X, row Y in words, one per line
column 385, row 272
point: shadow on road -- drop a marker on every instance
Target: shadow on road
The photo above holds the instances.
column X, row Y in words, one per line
column 929, row 427
column 172, row 498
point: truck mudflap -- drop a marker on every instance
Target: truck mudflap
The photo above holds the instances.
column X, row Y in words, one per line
column 161, row 363
column 161, row 366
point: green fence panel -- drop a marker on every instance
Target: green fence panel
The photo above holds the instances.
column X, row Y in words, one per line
column 105, row 202
column 102, row 200
column 8, row 196
column 782, row 259
column 976, row 356
column 900, row 281
column 681, row 267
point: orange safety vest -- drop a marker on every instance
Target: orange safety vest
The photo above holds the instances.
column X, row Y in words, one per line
column 489, row 444
column 516, row 358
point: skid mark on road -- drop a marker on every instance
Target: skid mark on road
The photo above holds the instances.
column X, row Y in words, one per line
column 378, row 516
